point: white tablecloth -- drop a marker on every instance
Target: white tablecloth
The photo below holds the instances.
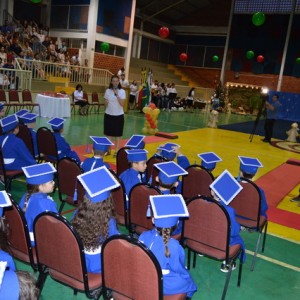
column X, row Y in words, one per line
column 51, row 107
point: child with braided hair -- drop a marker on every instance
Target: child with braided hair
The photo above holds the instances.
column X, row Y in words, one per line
column 40, row 183
column 167, row 209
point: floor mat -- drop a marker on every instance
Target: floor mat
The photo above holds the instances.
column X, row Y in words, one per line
column 277, row 184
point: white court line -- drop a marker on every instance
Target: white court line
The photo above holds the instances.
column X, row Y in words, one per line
column 275, row 261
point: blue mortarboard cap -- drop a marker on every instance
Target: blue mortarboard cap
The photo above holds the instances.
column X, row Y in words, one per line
column 167, row 209
column 39, row 174
column 98, row 183
column 226, row 187
column 209, row 160
column 56, row 123
column 9, row 123
column 22, row 112
column 4, row 201
column 9, row 284
column 28, row 118
column 136, row 155
column 167, row 150
column 101, row 143
column 1, row 106
column 136, row 142
column 249, row 165
column 169, row 172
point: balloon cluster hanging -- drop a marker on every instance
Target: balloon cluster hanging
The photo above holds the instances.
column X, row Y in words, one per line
column 151, row 114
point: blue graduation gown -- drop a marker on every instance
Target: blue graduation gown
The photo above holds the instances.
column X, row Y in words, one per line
column 176, row 278
column 64, row 149
column 93, row 258
column 130, row 178
column 264, row 204
column 34, row 139
column 235, row 237
column 4, row 256
column 92, row 163
column 38, row 203
column 15, row 153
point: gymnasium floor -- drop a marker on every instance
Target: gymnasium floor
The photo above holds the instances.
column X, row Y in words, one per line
column 277, row 270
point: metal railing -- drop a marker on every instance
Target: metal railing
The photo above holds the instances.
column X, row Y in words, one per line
column 15, row 79
column 55, row 72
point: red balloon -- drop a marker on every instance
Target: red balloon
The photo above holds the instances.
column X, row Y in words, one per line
column 164, row 32
column 183, row 57
column 260, row 58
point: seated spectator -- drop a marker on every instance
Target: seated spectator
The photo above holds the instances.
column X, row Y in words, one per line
column 79, row 100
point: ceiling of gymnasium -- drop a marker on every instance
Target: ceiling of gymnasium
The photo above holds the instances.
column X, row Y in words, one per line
column 211, row 13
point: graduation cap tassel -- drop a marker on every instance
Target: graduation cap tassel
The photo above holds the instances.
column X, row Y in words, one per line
column 75, row 192
column 148, row 211
column 88, row 148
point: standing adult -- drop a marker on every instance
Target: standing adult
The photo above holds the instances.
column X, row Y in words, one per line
column 272, row 109
column 115, row 98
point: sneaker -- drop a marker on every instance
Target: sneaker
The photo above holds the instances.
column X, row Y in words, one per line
column 225, row 268
column 295, row 199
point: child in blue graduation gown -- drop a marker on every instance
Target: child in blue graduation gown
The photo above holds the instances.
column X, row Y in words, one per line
column 168, row 251
column 224, row 189
column 168, row 178
column 100, row 148
column 63, row 148
column 94, row 220
column 248, row 169
column 29, row 120
column 4, row 255
column 135, row 174
column 40, row 183
column 170, row 151
column 15, row 153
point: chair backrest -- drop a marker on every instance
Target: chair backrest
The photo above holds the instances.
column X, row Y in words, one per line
column 95, row 98
column 59, row 248
column 2, row 96
column 85, row 96
column 122, row 161
column 18, row 235
column 13, row 96
column 26, row 96
column 138, row 205
column 46, row 142
column 119, row 197
column 151, row 171
column 67, row 172
column 207, row 230
column 196, row 182
column 25, row 135
column 247, row 203
column 2, row 165
column 130, row 269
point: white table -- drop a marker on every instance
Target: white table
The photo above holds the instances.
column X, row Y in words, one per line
column 54, row 106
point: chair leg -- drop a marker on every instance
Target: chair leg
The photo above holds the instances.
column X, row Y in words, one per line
column 61, row 206
column 189, row 258
column 265, row 236
column 41, row 279
column 227, row 282
column 256, row 249
column 194, row 260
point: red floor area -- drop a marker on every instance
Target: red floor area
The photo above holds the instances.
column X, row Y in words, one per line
column 277, row 184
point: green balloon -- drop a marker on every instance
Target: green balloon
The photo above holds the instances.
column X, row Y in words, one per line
column 258, row 19
column 104, row 47
column 215, row 58
column 250, row 54
column 298, row 60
